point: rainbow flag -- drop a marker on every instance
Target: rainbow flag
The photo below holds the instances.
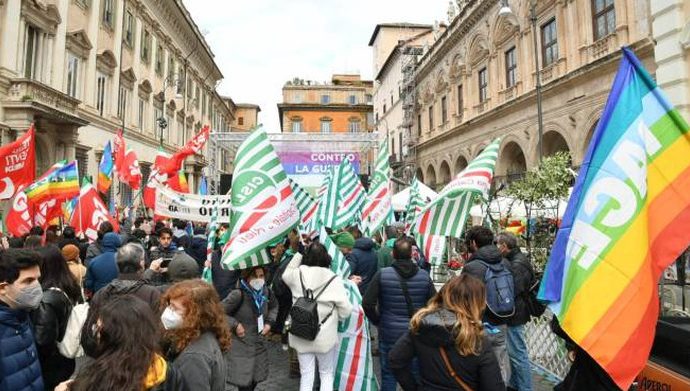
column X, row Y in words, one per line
column 626, row 221
column 182, row 180
column 105, row 169
column 61, row 183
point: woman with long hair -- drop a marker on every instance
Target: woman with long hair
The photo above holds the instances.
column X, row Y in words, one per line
column 197, row 334
column 60, row 293
column 314, row 274
column 252, row 311
column 447, row 337
column 127, row 352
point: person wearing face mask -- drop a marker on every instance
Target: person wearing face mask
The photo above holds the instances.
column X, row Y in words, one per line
column 196, row 334
column 127, row 355
column 252, row 311
column 20, row 293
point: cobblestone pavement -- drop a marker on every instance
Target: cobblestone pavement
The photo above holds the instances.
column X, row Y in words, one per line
column 279, row 379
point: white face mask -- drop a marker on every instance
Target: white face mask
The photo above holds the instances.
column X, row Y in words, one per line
column 171, row 319
column 257, row 284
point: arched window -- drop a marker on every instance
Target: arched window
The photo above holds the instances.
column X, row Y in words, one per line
column 326, row 125
column 297, row 125
column 354, row 125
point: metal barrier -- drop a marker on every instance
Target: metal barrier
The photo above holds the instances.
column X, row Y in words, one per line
column 546, row 351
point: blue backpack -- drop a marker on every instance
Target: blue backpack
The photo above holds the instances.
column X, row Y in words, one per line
column 500, row 290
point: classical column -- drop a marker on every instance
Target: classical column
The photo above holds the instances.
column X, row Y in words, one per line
column 10, row 34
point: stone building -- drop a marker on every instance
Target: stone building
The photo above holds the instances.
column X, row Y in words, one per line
column 245, row 115
column 671, row 31
column 81, row 69
column 477, row 81
column 343, row 105
column 396, row 44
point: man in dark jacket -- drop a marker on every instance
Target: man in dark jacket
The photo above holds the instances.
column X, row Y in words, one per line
column 523, row 275
column 165, row 249
column 480, row 242
column 20, row 292
column 364, row 261
column 103, row 269
column 180, row 235
column 96, row 248
column 130, row 265
column 394, row 294
column 197, row 247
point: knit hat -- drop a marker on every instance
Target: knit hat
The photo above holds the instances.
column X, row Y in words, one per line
column 70, row 252
column 343, row 239
column 182, row 267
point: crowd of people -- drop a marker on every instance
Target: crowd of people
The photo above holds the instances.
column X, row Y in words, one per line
column 144, row 294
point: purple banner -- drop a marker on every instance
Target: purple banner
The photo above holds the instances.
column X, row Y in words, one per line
column 315, row 163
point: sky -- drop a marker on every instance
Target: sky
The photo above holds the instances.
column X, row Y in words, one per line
column 261, row 44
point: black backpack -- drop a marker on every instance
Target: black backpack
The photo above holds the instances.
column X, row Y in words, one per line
column 304, row 313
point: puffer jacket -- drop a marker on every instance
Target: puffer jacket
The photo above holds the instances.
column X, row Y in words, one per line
column 334, row 300
column 384, row 302
column 474, row 267
column 480, row 372
column 50, row 322
column 363, row 261
column 20, row 369
column 103, row 269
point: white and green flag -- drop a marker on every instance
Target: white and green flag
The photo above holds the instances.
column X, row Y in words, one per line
column 264, row 207
column 379, row 208
column 343, row 197
column 447, row 214
column 305, row 203
column 414, row 205
column 354, row 369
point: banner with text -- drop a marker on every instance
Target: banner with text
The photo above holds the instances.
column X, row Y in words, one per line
column 309, row 168
column 192, row 207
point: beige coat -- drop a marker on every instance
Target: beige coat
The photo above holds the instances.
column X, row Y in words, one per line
column 334, row 298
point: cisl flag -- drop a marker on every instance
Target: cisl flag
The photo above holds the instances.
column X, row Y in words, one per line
column 17, row 164
column 90, row 212
column 263, row 206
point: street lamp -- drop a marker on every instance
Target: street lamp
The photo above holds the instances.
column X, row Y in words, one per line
column 505, row 11
column 170, row 81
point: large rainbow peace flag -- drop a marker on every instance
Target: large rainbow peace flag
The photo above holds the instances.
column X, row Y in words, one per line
column 626, row 221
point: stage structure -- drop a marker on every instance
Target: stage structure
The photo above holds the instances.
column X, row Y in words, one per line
column 306, row 157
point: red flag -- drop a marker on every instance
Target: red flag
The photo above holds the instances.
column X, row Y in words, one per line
column 20, row 216
column 193, row 146
column 119, row 151
column 90, row 212
column 155, row 179
column 17, row 164
column 132, row 173
column 126, row 163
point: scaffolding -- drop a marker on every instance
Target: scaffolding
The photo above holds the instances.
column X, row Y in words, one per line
column 366, row 144
column 409, row 56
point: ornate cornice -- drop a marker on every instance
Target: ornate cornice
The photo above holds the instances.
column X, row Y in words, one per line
column 78, row 42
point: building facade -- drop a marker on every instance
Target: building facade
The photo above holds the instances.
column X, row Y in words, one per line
column 246, row 116
column 401, row 44
column 343, row 105
column 671, row 30
column 81, row 69
column 478, row 81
